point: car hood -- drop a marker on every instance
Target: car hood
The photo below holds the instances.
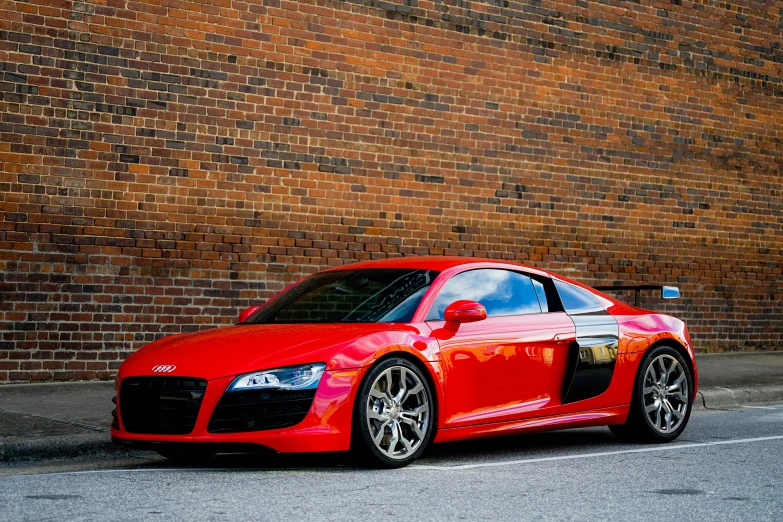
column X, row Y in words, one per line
column 234, row 350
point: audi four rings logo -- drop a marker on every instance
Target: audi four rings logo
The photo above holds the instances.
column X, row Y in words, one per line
column 163, row 368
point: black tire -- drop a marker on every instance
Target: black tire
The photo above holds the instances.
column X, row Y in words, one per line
column 652, row 426
column 185, row 454
column 365, row 451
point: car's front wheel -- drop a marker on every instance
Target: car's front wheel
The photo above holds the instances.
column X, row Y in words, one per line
column 662, row 398
column 393, row 420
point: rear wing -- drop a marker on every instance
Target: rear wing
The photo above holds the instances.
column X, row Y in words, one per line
column 667, row 292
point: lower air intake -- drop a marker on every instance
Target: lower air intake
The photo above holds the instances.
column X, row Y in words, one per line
column 160, row 405
column 260, row 410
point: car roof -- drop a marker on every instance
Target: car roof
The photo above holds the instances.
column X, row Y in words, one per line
column 439, row 263
column 443, row 263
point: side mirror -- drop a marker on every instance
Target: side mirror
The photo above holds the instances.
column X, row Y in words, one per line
column 247, row 312
column 464, row 311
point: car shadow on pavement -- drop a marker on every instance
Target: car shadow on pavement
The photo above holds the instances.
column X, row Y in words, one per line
column 528, row 445
column 265, row 461
column 532, row 445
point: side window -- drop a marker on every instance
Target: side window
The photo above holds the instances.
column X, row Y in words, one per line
column 502, row 292
column 577, row 300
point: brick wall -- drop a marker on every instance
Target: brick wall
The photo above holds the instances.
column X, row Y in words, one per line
column 164, row 164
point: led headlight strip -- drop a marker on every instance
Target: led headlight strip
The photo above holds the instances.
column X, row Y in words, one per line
column 304, row 377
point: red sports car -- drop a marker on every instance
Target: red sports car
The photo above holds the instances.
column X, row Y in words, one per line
column 384, row 357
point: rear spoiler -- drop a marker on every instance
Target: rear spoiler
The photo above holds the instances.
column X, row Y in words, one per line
column 667, row 292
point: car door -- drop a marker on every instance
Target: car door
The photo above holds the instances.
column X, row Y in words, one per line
column 510, row 365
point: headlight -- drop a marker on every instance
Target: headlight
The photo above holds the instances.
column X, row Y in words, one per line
column 305, row 377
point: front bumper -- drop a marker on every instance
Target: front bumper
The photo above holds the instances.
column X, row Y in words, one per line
column 326, row 427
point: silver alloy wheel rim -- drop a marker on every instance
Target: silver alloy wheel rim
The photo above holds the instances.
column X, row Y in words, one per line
column 398, row 412
column 665, row 394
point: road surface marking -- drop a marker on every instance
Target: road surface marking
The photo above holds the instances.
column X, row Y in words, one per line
column 665, row 447
column 417, row 467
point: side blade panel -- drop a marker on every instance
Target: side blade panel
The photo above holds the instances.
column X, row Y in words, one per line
column 592, row 357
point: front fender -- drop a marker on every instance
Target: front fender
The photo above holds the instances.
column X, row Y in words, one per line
column 363, row 352
column 414, row 344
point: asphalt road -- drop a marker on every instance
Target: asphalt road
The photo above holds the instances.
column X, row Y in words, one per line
column 726, row 466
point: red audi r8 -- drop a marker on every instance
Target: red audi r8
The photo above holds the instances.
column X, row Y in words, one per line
column 385, row 357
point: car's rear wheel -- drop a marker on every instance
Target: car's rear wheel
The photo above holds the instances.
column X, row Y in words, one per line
column 394, row 415
column 662, row 398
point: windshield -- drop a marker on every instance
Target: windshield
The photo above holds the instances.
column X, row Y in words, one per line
column 375, row 295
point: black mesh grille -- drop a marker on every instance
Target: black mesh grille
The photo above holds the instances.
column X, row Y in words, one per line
column 160, row 405
column 260, row 410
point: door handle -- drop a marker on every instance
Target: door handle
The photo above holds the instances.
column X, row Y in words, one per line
column 564, row 337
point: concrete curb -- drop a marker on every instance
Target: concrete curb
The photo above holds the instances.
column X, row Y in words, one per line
column 60, row 448
column 721, row 397
column 100, row 445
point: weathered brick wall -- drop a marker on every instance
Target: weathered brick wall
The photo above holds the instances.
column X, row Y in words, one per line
column 163, row 164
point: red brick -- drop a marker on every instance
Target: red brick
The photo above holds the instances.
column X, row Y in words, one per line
column 193, row 183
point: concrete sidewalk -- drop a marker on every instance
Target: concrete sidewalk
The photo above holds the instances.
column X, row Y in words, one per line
column 55, row 420
column 65, row 420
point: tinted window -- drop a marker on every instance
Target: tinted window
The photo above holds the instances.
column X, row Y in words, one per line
column 577, row 300
column 502, row 292
column 349, row 296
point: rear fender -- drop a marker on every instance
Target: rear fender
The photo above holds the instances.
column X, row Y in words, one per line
column 641, row 333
